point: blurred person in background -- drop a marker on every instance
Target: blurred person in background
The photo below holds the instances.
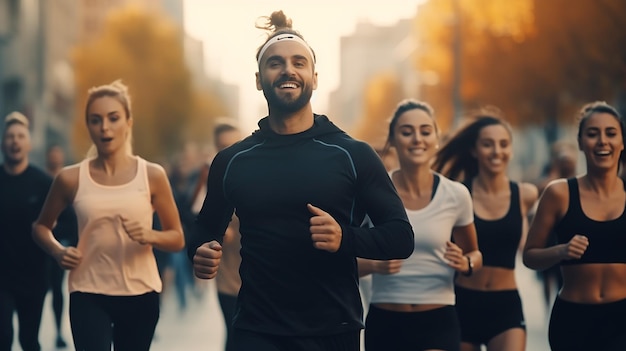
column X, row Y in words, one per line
column 172, row 269
column 301, row 188
column 412, row 302
column 588, row 215
column 66, row 231
column 23, row 265
column 563, row 163
column 114, row 282
column 228, row 281
column 488, row 303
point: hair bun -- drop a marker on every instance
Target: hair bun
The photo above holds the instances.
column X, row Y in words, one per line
column 275, row 22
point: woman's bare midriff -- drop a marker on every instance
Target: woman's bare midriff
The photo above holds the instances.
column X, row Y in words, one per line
column 406, row 307
column 594, row 283
column 489, row 279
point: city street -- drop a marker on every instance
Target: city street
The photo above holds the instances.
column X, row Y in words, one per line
column 200, row 327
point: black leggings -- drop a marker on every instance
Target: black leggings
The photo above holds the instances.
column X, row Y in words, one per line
column 57, row 275
column 126, row 321
column 28, row 305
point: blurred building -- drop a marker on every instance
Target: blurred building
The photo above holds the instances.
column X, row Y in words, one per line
column 227, row 93
column 36, row 73
column 95, row 12
column 368, row 52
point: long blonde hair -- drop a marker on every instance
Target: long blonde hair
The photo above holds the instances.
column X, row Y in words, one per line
column 119, row 91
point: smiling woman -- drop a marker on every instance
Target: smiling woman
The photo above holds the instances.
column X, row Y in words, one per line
column 586, row 214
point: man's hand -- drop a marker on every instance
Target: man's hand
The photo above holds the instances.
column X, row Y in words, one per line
column 207, row 259
column 325, row 231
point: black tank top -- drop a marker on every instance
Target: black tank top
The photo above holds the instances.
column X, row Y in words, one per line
column 498, row 240
column 607, row 240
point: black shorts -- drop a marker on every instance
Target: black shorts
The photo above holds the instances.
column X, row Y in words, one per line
column 399, row 331
column 485, row 314
column 578, row 326
column 245, row 340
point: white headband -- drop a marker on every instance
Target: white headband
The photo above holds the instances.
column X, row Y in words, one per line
column 280, row 37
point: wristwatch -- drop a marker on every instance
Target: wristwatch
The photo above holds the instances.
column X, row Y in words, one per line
column 470, row 265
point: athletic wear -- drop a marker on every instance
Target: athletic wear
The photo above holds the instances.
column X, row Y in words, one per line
column 248, row 340
column 112, row 263
column 23, row 265
column 583, row 327
column 425, row 277
column 436, row 329
column 134, row 319
column 288, row 286
column 499, row 239
column 607, row 239
column 485, row 314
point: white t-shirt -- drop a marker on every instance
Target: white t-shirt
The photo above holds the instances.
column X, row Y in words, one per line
column 425, row 277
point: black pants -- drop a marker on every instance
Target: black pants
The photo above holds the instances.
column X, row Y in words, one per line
column 28, row 304
column 126, row 321
column 228, row 303
column 57, row 275
column 244, row 340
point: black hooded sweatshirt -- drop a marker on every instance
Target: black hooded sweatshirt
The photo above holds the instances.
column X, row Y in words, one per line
column 288, row 286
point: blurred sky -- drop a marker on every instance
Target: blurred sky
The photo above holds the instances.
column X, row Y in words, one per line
column 227, row 28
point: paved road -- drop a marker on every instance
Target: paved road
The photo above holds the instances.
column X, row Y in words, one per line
column 201, row 328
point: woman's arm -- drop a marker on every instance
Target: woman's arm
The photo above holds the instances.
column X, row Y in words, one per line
column 466, row 240
column 367, row 266
column 61, row 194
column 528, row 198
column 551, row 208
column 170, row 238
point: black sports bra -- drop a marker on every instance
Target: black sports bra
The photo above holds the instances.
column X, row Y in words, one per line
column 498, row 240
column 607, row 240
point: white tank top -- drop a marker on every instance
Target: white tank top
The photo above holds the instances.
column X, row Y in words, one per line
column 112, row 263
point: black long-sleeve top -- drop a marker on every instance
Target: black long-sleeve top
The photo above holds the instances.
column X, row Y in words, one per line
column 288, row 286
column 23, row 264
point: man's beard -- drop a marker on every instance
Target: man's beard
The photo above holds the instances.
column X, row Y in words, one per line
column 286, row 104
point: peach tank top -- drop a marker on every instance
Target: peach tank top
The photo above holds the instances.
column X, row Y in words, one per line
column 112, row 263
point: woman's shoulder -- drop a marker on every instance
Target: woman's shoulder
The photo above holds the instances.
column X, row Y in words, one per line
column 155, row 170
column 557, row 189
column 454, row 185
column 454, row 189
column 68, row 176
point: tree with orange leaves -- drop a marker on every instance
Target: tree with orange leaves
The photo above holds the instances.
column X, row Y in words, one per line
column 537, row 60
column 145, row 51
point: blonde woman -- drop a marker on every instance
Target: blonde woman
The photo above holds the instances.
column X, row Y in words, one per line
column 113, row 282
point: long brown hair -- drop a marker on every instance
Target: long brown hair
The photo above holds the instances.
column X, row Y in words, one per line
column 455, row 160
